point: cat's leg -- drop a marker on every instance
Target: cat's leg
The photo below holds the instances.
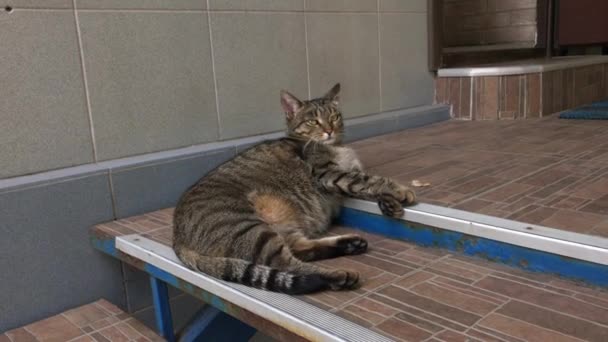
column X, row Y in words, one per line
column 390, row 195
column 283, row 258
column 325, row 248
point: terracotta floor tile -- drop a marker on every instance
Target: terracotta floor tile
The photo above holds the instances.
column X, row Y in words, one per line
column 430, row 305
column 477, row 185
column 403, row 330
column 537, row 215
column 392, row 246
column 21, row 335
column 368, row 315
column 413, row 279
column 419, row 314
column 4, row 338
column 473, row 205
column 85, row 315
column 546, row 299
column 377, row 281
column 99, row 337
column 54, row 329
column 114, row 334
column 470, row 290
column 354, row 318
column 572, row 220
column 481, row 336
column 592, row 190
column 453, row 298
column 598, row 206
column 109, row 307
column 497, row 334
column 505, row 192
column 570, row 202
column 523, row 330
column 457, row 270
column 601, row 229
column 144, row 330
column 452, row 336
column 555, row 321
column 375, row 307
column 384, row 265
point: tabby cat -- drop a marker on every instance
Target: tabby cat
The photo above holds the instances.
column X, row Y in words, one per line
column 258, row 218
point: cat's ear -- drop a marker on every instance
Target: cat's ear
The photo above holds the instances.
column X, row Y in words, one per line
column 291, row 105
column 332, row 94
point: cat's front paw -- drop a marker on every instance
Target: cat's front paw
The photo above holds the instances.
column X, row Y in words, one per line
column 390, row 206
column 406, row 195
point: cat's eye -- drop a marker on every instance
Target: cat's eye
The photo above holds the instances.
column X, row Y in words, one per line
column 334, row 118
column 312, row 122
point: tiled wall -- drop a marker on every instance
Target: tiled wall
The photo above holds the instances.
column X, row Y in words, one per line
column 92, row 80
column 522, row 96
column 481, row 22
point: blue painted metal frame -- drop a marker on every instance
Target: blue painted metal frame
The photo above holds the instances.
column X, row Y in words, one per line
column 522, row 257
column 201, row 321
column 162, row 308
column 212, row 323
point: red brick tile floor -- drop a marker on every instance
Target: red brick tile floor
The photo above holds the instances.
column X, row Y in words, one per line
column 547, row 171
column 99, row 321
column 411, row 293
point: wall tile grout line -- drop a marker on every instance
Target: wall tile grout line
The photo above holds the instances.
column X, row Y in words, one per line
column 85, row 82
column 216, row 91
column 239, row 11
column 112, row 194
column 306, row 49
column 379, row 58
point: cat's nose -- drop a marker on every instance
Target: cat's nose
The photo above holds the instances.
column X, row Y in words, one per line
column 329, row 131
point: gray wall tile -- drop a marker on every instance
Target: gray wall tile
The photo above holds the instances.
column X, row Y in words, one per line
column 45, row 255
column 403, row 5
column 257, row 55
column 150, row 80
column 344, row 48
column 142, row 4
column 422, row 118
column 342, row 5
column 369, row 129
column 406, row 81
column 42, row 100
column 274, row 5
column 151, row 187
column 39, row 4
column 137, row 289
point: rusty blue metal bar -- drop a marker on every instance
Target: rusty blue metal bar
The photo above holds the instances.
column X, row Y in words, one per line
column 162, row 308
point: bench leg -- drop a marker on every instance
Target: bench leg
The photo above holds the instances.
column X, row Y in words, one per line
column 162, row 308
column 211, row 324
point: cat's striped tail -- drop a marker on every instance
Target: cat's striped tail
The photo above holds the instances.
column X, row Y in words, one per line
column 258, row 276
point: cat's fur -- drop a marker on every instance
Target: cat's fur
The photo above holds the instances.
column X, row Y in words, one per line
column 257, row 219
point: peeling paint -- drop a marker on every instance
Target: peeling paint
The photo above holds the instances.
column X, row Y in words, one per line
column 492, row 250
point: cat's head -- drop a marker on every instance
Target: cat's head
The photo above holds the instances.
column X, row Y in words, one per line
column 317, row 120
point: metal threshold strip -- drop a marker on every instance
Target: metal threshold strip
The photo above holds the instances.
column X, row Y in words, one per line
column 568, row 244
column 289, row 312
column 533, row 248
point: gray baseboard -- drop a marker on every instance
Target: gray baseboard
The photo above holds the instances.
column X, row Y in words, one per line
column 45, row 218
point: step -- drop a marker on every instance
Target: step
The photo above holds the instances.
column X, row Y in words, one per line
column 99, row 321
column 410, row 293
